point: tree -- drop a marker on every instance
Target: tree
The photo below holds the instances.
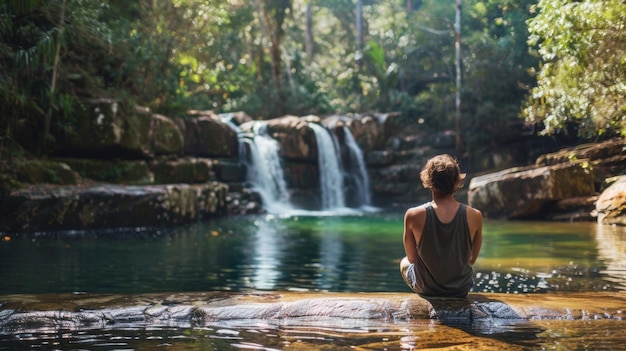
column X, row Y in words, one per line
column 582, row 78
column 42, row 69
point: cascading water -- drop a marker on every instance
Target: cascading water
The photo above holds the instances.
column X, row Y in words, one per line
column 228, row 119
column 265, row 170
column 331, row 177
column 357, row 171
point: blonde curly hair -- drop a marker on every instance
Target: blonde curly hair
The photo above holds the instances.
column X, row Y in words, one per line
column 442, row 174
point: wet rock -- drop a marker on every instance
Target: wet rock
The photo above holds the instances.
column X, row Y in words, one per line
column 297, row 140
column 572, row 209
column 479, row 313
column 524, row 192
column 611, row 204
column 110, row 206
column 229, row 171
column 206, row 135
column 238, row 118
column 371, row 131
column 302, row 175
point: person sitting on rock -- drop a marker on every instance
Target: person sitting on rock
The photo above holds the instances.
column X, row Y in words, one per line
column 442, row 238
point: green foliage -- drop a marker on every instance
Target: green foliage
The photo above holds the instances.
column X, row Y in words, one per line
column 235, row 55
column 582, row 78
column 38, row 83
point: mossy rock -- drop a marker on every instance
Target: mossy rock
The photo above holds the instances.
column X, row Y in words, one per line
column 43, row 171
column 167, row 137
column 118, row 171
column 185, row 170
column 108, row 129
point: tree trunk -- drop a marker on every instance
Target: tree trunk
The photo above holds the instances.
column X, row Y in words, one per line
column 457, row 100
column 55, row 70
column 309, row 32
column 359, row 32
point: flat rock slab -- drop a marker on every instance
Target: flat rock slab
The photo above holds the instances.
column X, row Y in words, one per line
column 314, row 321
column 25, row 313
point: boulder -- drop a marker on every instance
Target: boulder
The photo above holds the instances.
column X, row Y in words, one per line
column 589, row 152
column 297, row 140
column 108, row 130
column 110, row 206
column 367, row 132
column 523, row 192
column 206, row 135
column 167, row 137
column 611, row 204
column 238, row 118
column 605, row 159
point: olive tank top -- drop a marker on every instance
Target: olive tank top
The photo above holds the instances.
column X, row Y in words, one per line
column 442, row 267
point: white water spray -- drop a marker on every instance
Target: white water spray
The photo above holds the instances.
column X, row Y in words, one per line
column 331, row 177
column 358, row 171
column 265, row 170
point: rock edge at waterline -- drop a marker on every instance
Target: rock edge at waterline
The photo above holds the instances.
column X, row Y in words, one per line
column 28, row 313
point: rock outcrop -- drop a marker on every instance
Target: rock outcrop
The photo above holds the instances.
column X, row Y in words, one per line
column 387, row 320
column 525, row 192
column 569, row 184
column 111, row 206
column 611, row 205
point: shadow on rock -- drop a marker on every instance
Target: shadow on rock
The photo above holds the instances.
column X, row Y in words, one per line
column 484, row 317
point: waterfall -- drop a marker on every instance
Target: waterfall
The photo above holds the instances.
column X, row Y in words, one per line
column 228, row 119
column 265, row 170
column 357, row 171
column 331, row 177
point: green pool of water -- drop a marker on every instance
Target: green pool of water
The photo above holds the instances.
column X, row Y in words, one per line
column 307, row 252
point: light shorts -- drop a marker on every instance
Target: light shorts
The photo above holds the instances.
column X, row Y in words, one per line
column 407, row 270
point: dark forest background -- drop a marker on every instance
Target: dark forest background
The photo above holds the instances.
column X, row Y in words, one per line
column 553, row 66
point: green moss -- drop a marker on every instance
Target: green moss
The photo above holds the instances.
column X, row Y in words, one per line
column 42, row 171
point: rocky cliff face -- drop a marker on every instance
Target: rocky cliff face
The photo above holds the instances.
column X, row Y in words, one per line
column 127, row 161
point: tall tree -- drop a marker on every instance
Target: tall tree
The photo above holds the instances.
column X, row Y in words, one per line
column 582, row 78
column 272, row 14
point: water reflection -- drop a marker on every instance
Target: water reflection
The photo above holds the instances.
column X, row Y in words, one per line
column 611, row 242
column 331, row 252
column 267, row 248
column 485, row 317
column 352, row 253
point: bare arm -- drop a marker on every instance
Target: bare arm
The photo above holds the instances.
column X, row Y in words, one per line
column 413, row 225
column 476, row 218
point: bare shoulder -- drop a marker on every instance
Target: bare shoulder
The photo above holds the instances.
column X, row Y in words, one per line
column 474, row 215
column 415, row 212
column 414, row 220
